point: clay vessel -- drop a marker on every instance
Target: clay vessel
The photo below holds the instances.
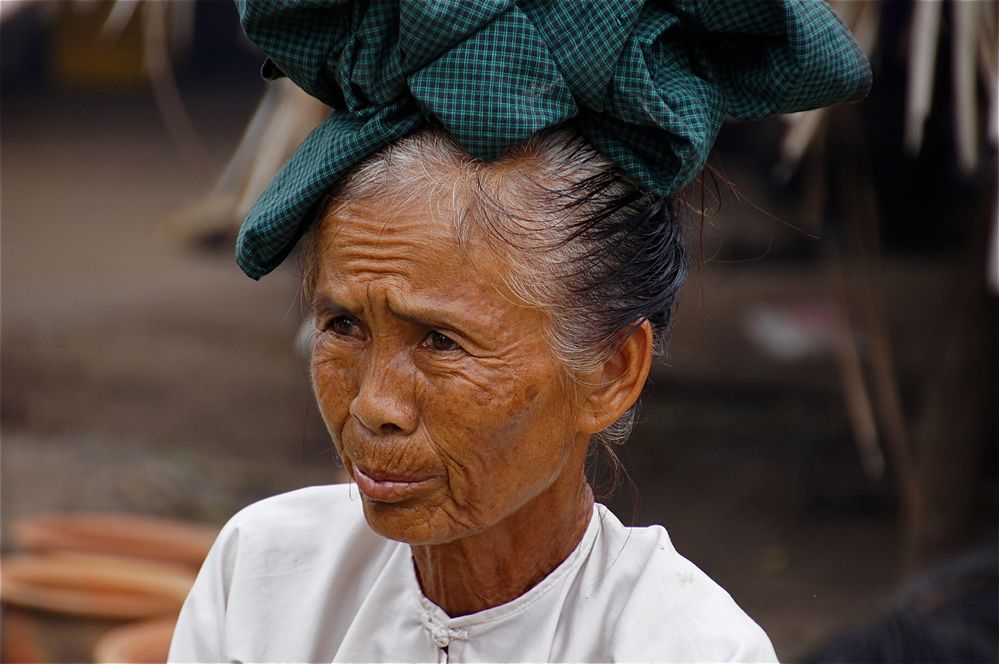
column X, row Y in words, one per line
column 141, row 642
column 126, row 535
column 96, row 586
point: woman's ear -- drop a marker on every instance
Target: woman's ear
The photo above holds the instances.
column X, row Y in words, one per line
column 614, row 388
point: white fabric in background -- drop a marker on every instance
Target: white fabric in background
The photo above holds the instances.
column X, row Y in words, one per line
column 301, row 577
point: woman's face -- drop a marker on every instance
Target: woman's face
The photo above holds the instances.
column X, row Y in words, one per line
column 438, row 388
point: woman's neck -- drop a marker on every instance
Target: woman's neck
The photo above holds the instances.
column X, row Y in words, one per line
column 501, row 563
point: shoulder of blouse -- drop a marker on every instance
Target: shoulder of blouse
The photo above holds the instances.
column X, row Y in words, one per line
column 659, row 599
column 293, row 531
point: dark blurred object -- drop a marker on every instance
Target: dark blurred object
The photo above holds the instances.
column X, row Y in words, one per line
column 84, row 54
column 867, row 179
column 948, row 615
column 23, row 38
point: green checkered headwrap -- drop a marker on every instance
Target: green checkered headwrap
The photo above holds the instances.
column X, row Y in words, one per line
column 647, row 83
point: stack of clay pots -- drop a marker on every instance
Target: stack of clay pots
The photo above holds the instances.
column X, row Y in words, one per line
column 128, row 573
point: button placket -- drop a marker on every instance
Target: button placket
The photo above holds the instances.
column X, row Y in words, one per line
column 440, row 634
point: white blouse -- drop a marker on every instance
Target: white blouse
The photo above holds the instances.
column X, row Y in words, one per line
column 301, row 577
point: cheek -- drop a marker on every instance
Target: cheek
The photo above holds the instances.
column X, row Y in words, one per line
column 502, row 438
column 334, row 382
column 493, row 398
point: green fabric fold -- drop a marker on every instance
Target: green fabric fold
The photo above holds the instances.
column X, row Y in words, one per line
column 647, row 83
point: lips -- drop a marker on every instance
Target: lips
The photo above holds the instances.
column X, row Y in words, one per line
column 389, row 487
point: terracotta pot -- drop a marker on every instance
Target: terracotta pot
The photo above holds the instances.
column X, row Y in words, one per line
column 142, row 642
column 93, row 585
column 29, row 635
column 22, row 640
column 142, row 537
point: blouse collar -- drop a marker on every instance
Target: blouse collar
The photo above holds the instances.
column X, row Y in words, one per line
column 443, row 628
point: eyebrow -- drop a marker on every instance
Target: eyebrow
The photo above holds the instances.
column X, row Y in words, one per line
column 414, row 311
column 326, row 305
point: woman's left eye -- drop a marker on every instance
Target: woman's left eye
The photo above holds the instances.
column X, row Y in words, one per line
column 441, row 342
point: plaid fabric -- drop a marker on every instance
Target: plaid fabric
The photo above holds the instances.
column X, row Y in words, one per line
column 647, row 83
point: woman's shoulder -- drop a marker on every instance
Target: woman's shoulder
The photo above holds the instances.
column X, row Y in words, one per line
column 336, row 502
column 662, row 600
column 309, row 511
column 292, row 530
column 265, row 591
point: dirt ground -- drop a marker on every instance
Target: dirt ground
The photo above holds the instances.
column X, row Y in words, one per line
column 139, row 375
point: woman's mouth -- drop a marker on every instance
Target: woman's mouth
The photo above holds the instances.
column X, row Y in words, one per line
column 388, row 487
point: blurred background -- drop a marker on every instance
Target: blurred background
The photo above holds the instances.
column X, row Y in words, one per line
column 821, row 439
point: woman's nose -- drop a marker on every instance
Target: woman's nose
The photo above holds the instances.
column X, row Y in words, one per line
column 384, row 400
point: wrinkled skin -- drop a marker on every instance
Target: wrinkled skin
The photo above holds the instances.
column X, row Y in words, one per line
column 432, row 378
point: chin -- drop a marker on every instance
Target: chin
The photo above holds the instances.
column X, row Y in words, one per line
column 412, row 523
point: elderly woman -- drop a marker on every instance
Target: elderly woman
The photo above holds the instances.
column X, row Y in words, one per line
column 491, row 251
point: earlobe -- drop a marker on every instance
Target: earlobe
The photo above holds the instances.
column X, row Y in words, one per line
column 617, row 385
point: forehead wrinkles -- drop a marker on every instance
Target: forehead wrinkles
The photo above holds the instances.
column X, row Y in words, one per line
column 471, row 204
column 372, row 235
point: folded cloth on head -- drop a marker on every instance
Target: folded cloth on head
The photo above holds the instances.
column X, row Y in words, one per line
column 647, row 83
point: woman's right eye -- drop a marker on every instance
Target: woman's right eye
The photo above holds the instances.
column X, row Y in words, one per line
column 344, row 326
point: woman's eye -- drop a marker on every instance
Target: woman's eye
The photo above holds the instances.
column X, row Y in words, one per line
column 441, row 342
column 343, row 325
